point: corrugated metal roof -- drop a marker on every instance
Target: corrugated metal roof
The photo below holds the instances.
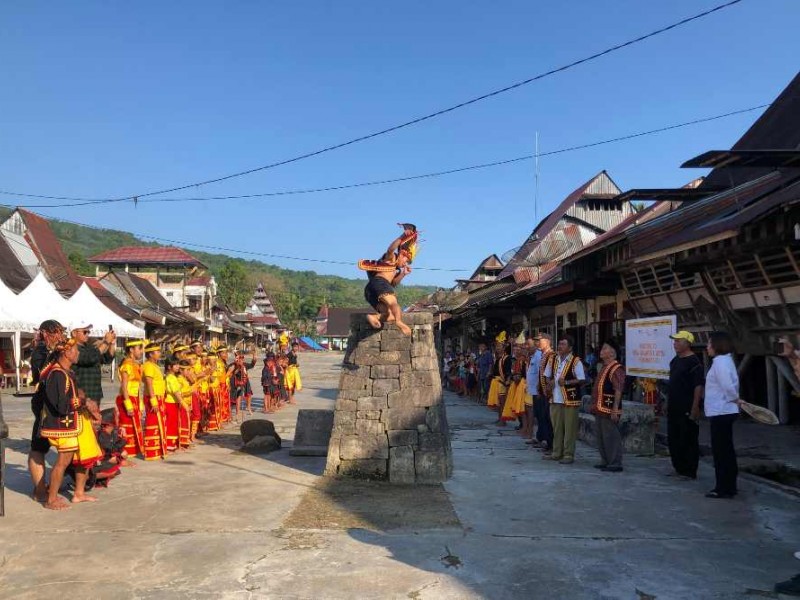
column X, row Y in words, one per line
column 167, row 255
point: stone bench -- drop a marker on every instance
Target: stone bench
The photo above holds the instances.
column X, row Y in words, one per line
column 637, row 425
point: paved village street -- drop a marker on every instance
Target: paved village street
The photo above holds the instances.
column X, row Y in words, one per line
column 219, row 523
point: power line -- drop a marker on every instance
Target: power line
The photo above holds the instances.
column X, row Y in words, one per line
column 93, row 201
column 432, row 115
column 237, row 251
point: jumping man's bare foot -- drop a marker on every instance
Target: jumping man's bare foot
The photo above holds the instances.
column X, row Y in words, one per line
column 83, row 498
column 374, row 321
column 58, row 504
column 405, row 329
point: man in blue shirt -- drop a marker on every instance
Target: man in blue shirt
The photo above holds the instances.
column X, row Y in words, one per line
column 485, row 361
column 532, row 382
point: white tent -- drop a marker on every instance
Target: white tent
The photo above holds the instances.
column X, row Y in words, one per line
column 12, row 315
column 40, row 301
column 84, row 304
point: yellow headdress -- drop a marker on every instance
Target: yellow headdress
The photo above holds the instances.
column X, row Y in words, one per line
column 501, row 337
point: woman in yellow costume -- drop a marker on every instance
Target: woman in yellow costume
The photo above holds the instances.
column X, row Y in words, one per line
column 501, row 373
column 514, row 407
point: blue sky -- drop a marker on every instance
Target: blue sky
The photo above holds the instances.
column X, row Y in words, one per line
column 111, row 99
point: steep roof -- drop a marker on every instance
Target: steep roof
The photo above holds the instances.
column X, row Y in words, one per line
column 146, row 255
column 599, row 187
column 12, row 272
column 49, row 252
column 111, row 301
column 778, row 128
column 140, row 293
column 490, row 263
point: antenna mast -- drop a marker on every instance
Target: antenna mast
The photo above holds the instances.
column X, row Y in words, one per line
column 536, row 188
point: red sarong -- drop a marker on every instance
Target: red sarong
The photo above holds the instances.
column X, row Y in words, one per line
column 154, row 432
column 171, row 425
column 134, row 440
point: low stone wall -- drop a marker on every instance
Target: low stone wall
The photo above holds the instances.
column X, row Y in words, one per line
column 389, row 420
column 637, row 425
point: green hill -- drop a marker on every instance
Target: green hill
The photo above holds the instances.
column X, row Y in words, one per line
column 297, row 295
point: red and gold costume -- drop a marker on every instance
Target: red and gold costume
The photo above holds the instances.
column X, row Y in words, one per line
column 184, row 414
column 220, row 383
column 200, row 410
column 172, row 409
column 155, row 443
column 130, row 407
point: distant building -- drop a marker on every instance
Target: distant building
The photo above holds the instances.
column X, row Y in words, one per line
column 333, row 325
column 487, row 271
column 180, row 278
column 262, row 315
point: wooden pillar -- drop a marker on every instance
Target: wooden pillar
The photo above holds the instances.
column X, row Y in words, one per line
column 783, row 400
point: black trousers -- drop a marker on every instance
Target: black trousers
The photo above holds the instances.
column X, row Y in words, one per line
column 544, row 426
column 725, row 465
column 684, row 448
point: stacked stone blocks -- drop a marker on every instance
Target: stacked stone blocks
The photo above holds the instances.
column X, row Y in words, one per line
column 389, row 420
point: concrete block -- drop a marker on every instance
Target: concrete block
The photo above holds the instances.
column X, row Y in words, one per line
column 372, row 403
column 363, row 469
column 368, row 415
column 369, row 427
column 355, row 383
column 344, row 423
column 431, row 467
column 257, row 427
column 403, row 418
column 431, row 441
column 383, row 387
column 395, row 345
column 346, row 405
column 401, row 465
column 425, row 378
column 424, row 363
column 384, row 371
column 637, row 427
column 313, row 427
column 364, row 446
column 403, row 437
column 262, row 444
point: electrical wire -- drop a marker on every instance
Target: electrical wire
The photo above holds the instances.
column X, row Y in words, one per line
column 233, row 250
column 90, row 201
column 136, row 197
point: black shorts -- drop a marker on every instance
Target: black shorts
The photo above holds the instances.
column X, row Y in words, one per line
column 38, row 443
column 376, row 288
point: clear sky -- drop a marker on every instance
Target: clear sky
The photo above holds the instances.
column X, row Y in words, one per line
column 114, row 99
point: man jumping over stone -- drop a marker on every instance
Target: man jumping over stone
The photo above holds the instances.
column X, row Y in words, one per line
column 385, row 274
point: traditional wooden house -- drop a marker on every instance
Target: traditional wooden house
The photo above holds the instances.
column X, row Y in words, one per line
column 509, row 302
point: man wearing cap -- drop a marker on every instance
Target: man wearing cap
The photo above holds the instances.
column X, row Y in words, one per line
column 686, row 382
column 607, row 408
column 50, row 333
column 90, row 357
column 129, row 405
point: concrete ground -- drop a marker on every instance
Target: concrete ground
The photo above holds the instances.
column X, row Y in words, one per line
column 210, row 523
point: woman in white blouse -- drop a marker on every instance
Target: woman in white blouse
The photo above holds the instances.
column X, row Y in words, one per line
column 722, row 409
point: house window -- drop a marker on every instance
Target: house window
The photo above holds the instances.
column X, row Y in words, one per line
column 170, row 295
column 194, row 303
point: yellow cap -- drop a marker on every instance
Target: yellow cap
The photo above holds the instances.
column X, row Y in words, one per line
column 152, row 347
column 179, row 348
column 683, row 335
column 133, row 343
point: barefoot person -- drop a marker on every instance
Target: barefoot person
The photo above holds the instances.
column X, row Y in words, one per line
column 385, row 275
column 66, row 424
column 50, row 333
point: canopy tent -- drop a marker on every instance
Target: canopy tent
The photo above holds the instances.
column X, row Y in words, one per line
column 12, row 315
column 311, row 344
column 41, row 302
column 84, row 303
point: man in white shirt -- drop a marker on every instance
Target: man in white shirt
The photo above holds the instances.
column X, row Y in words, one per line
column 566, row 375
column 532, row 385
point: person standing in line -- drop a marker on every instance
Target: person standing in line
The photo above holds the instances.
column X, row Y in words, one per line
column 541, row 403
column 722, row 409
column 129, row 406
column 90, row 358
column 485, row 360
column 566, row 376
column 683, row 406
column 155, row 434
column 67, row 425
column 607, row 408
column 532, row 386
column 51, row 332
